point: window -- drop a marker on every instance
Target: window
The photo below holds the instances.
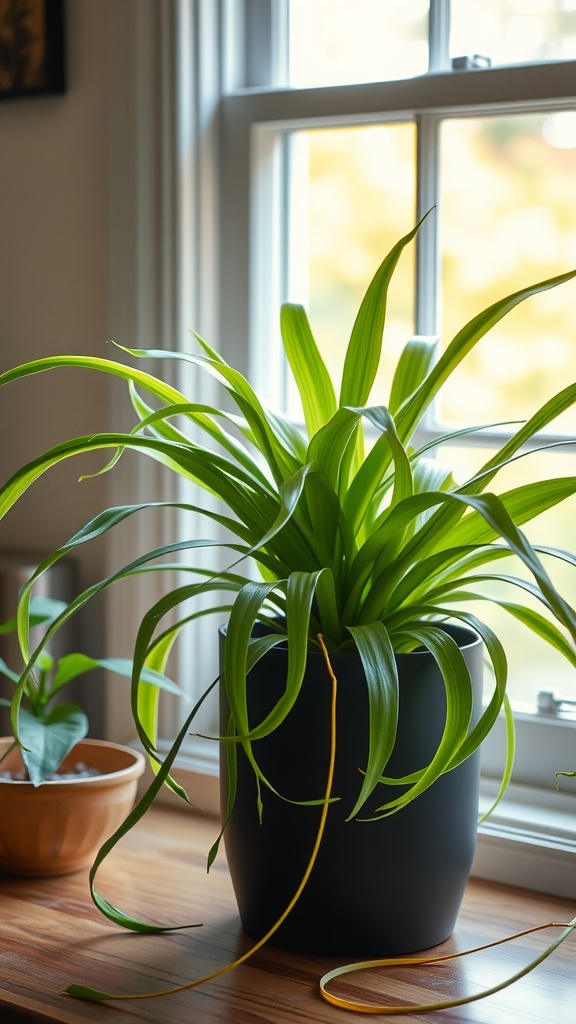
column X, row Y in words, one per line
column 341, row 173
column 322, row 169
column 295, row 143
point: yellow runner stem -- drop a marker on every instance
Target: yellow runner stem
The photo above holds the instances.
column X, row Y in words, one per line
column 387, row 1010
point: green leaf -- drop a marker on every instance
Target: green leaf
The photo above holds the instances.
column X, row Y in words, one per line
column 14, row 676
column 47, row 740
column 510, row 753
column 379, row 663
column 328, row 446
column 522, row 504
column 310, row 373
column 238, row 634
column 367, row 480
column 412, row 411
column 70, row 666
column 280, row 459
column 113, row 913
column 42, row 610
column 363, row 352
column 300, row 592
column 459, row 706
column 542, row 627
column 413, row 366
column 202, row 416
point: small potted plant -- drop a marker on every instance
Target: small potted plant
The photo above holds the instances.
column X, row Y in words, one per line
column 367, row 557
column 61, row 794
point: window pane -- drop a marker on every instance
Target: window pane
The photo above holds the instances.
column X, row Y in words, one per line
column 336, row 42
column 514, row 31
column 508, row 220
column 533, row 664
column 353, row 197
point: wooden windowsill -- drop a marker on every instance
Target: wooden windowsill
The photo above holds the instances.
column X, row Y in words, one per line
column 51, row 936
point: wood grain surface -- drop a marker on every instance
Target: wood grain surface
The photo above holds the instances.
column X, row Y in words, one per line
column 52, row 936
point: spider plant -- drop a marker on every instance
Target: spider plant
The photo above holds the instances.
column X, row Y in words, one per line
column 370, row 549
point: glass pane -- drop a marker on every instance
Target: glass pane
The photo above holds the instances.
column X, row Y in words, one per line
column 335, row 42
column 353, row 197
column 509, row 220
column 533, row 664
column 514, row 31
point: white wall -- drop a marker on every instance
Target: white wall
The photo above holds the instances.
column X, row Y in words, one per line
column 54, row 282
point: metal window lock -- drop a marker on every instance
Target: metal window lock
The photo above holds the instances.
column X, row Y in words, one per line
column 470, row 62
column 549, row 704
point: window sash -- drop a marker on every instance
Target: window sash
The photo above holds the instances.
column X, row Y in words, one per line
column 253, row 122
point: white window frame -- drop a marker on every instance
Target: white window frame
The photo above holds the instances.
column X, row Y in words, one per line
column 201, row 244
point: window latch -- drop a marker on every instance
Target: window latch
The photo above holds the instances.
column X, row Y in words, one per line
column 470, row 62
column 549, row 704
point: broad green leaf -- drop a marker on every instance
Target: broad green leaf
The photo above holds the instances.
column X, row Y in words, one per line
column 47, row 740
column 43, row 610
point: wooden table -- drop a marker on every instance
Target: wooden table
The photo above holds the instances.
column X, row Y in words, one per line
column 51, row 935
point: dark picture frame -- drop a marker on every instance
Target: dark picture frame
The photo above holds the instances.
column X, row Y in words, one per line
column 32, row 49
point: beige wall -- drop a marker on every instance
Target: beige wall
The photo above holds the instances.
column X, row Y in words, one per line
column 54, row 283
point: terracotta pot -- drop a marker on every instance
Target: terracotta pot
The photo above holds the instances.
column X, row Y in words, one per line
column 58, row 827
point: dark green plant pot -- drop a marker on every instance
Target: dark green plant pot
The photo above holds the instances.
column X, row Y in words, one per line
column 378, row 888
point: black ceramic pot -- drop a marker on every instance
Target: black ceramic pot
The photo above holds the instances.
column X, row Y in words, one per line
column 378, row 888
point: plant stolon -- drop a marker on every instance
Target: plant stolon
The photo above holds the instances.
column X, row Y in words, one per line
column 94, row 995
